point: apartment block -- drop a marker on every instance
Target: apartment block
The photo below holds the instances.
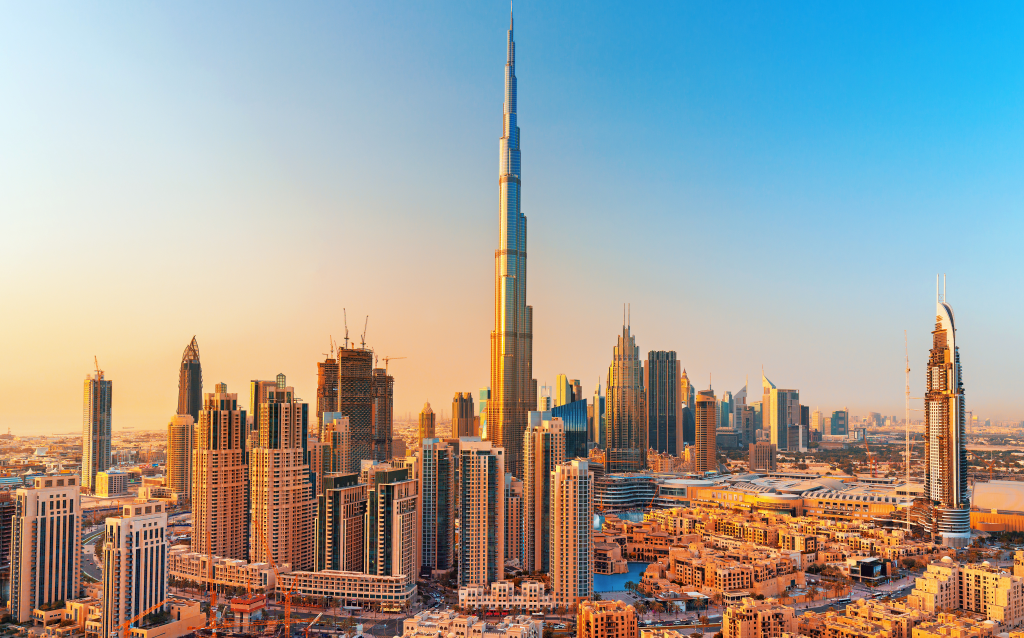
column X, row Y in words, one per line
column 758, row 619
column 134, row 565
column 341, row 523
column 606, row 619
column 572, row 515
column 482, row 533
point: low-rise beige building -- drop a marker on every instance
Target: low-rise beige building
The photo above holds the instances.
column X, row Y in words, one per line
column 191, row 567
column 390, row 592
column 449, row 624
column 606, row 619
column 758, row 619
column 982, row 588
column 951, row 626
column 503, row 595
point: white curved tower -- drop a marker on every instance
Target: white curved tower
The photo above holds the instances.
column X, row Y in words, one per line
column 945, row 430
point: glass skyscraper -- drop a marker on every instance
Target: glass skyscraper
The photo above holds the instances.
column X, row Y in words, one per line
column 190, row 382
column 574, row 424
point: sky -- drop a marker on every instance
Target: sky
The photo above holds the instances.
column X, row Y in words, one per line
column 767, row 185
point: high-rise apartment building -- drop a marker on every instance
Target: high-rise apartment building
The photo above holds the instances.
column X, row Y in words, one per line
column 572, row 524
column 606, row 619
column 338, row 437
column 463, row 417
column 46, row 544
column 392, row 520
column 438, row 509
column 664, row 409
column 945, row 480
column 8, row 505
column 839, row 425
column 428, row 423
column 780, row 409
column 96, row 428
column 190, row 382
column 514, row 507
column 180, row 439
column 705, row 457
column 626, row 415
column 383, row 387
column 134, row 564
column 513, row 388
column 688, row 395
column 282, row 493
column 326, row 389
column 220, row 478
column 482, row 531
column 762, row 457
column 597, row 430
column 574, row 425
column 355, row 400
column 341, row 523
column 543, row 451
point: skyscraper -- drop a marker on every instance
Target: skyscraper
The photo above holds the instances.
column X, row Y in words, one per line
column 190, row 382
column 46, row 544
column 945, row 481
column 134, row 564
column 839, row 425
column 575, row 425
column 326, row 388
column 739, row 404
column 543, row 450
column 688, row 396
column 563, row 391
column 513, row 520
column 355, row 400
column 438, row 505
column 706, row 416
column 779, row 410
column 341, row 524
column 96, row 428
column 383, row 390
column 392, row 520
column 282, row 496
column 180, row 439
column 664, row 409
column 428, row 423
column 513, row 388
column 626, row 408
column 572, row 524
column 482, row 530
column 220, row 478
column 463, row 417
column 597, row 429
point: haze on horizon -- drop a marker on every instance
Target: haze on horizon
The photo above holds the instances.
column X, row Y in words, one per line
column 769, row 186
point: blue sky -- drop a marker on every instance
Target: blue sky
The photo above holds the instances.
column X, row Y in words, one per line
column 766, row 184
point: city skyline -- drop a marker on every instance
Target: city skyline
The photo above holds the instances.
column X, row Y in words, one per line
column 882, row 284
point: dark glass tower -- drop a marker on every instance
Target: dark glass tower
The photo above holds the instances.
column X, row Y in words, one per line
column 664, row 408
column 190, row 382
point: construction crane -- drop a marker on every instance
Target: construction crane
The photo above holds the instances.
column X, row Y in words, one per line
column 306, row 629
column 344, row 313
column 872, row 458
column 386, row 359
column 114, row 633
column 96, row 362
column 362, row 338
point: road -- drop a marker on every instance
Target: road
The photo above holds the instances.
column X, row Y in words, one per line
column 89, row 565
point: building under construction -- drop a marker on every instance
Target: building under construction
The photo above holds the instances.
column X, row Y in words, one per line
column 366, row 395
column 326, row 389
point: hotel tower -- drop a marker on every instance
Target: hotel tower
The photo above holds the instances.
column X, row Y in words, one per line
column 513, row 388
column 945, row 482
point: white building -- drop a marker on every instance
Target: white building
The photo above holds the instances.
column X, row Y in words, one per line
column 134, row 564
column 529, row 597
column 45, row 544
column 572, row 516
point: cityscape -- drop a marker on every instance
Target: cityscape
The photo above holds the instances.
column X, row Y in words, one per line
column 653, row 502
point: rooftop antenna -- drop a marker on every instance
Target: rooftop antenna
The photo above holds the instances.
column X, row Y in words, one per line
column 363, row 336
column 906, row 354
column 345, row 313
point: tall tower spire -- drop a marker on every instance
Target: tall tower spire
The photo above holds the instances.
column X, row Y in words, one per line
column 513, row 388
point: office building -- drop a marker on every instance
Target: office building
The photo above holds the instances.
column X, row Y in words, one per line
column 46, row 544
column 626, row 415
column 945, row 479
column 688, row 395
column 513, row 388
column 762, row 457
column 574, row 425
column 839, row 425
column 326, row 389
column 572, row 516
column 134, row 564
column 780, row 409
column 428, row 423
column 544, row 400
column 818, row 421
column 543, row 450
column 111, row 484
column 563, row 391
column 606, row 619
column 463, row 417
column 180, row 433
column 746, row 433
column 96, row 428
column 341, row 523
column 281, row 488
column 438, row 510
column 392, row 519
column 725, row 411
column 190, row 382
column 705, row 458
column 664, row 408
column 514, row 511
column 738, row 405
column 220, row 478
column 482, row 531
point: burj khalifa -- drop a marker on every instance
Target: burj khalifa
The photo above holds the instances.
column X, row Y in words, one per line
column 513, row 388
